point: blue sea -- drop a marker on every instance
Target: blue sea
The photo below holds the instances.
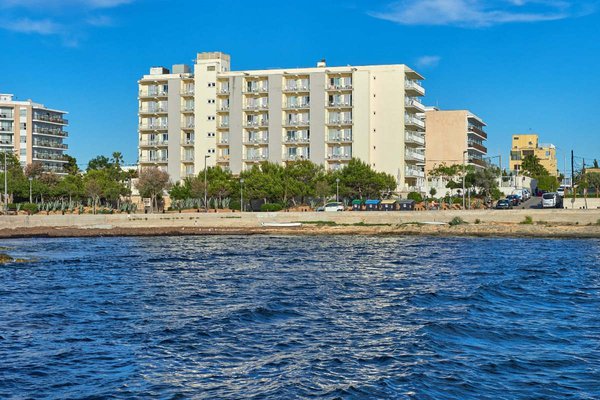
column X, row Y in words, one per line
column 300, row 317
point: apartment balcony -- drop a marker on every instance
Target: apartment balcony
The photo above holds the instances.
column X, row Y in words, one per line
column 37, row 130
column 153, row 95
column 295, row 157
column 223, row 159
column 223, row 91
column 9, row 130
column 56, row 157
column 413, row 173
column 48, row 144
column 413, row 121
column 188, row 142
column 340, row 122
column 296, row 141
column 255, row 158
column 338, row 157
column 223, row 110
column 414, row 138
column 55, row 169
column 478, row 131
column 187, row 159
column 477, row 147
column 256, row 91
column 187, row 110
column 256, row 124
column 339, row 88
column 477, row 161
column 339, row 139
column 5, row 143
column 414, row 105
column 253, row 108
column 154, row 143
column 410, row 155
column 154, row 127
column 6, row 115
column 52, row 119
column 263, row 141
column 223, row 142
column 154, row 160
column 414, row 88
column 296, row 89
column 339, row 105
column 294, row 106
column 223, row 125
column 155, row 111
column 188, row 127
column 187, row 93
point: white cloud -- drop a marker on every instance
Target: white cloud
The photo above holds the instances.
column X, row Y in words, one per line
column 481, row 13
column 60, row 4
column 428, row 61
column 26, row 25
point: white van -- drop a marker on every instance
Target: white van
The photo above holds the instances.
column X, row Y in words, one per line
column 522, row 194
column 552, row 200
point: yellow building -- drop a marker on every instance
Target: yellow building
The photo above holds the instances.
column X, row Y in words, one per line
column 528, row 144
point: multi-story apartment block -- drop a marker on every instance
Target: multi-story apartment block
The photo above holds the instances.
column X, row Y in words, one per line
column 34, row 132
column 524, row 145
column 237, row 119
column 454, row 137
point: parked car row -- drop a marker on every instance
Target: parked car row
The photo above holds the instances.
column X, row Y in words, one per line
column 371, row 205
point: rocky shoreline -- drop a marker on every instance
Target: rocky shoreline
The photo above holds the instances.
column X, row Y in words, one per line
column 474, row 230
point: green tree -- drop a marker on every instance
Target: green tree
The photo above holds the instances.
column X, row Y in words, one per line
column 152, row 182
column 593, row 179
column 71, row 167
column 532, row 167
column 71, row 186
column 359, row 180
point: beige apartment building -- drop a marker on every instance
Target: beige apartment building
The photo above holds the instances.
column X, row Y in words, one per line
column 528, row 144
column 33, row 132
column 454, row 137
column 237, row 119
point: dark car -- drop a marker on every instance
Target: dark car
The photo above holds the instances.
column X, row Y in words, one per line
column 514, row 199
column 504, row 204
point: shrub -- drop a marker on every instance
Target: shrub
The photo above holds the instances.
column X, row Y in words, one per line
column 271, row 207
column 30, row 208
column 527, row 221
column 477, row 221
column 457, row 221
column 416, row 196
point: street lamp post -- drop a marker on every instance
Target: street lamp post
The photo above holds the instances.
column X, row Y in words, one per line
column 241, row 194
column 463, row 180
column 205, row 186
column 5, row 184
column 337, row 189
column 30, row 191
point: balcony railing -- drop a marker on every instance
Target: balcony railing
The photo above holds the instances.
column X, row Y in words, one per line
column 223, row 141
column 4, row 129
column 7, row 143
column 296, row 106
column 413, row 173
column 415, row 86
column 252, row 124
column 223, row 90
column 156, row 110
column 154, row 127
column 415, row 104
column 154, row 159
column 340, row 104
column 223, row 159
column 297, row 123
column 339, row 139
column 188, row 109
column 55, row 119
column 188, row 159
column 5, row 115
column 257, row 89
column 345, row 156
column 414, row 156
column 478, row 161
column 57, row 169
column 295, row 157
column 256, row 141
column 223, row 108
column 346, row 86
column 256, row 107
column 410, row 120
column 188, row 142
column 478, row 131
column 411, row 137
column 299, row 140
column 49, row 131
column 187, row 92
column 50, row 144
column 38, row 155
column 296, row 88
column 342, row 121
column 256, row 157
column 154, row 143
column 477, row 146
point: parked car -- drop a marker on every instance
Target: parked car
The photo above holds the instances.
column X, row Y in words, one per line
column 514, row 199
column 504, row 204
column 561, row 191
column 552, row 200
column 523, row 194
column 334, row 206
column 526, row 194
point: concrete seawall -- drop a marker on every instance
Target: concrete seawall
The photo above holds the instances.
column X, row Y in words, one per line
column 253, row 220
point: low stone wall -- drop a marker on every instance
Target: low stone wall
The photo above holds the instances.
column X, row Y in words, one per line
column 253, row 220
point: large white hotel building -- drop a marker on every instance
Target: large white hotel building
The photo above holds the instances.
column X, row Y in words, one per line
column 237, row 119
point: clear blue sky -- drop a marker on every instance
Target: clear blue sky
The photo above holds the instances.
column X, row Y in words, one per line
column 521, row 65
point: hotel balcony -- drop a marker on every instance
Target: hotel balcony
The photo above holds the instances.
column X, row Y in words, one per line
column 338, row 157
column 263, row 141
column 478, row 131
column 154, row 143
column 223, row 125
column 339, row 139
column 477, row 161
column 223, row 159
column 294, row 106
column 413, row 121
column 339, row 105
column 6, row 130
column 295, row 157
column 410, row 155
column 253, row 108
column 155, row 111
column 414, row 88
column 6, row 115
column 256, row 124
column 187, row 142
column 187, row 159
column 224, row 91
column 223, row 142
column 477, row 147
column 153, row 95
column 50, row 144
column 340, row 87
column 187, row 93
column 414, row 138
column 296, row 141
column 56, row 169
column 189, row 126
column 296, row 89
column 38, row 130
column 154, row 127
column 255, row 158
column 52, row 119
column 154, row 160
column 339, row 122
column 413, row 173
column 414, row 105
column 223, row 109
column 187, row 110
column 8, row 143
column 256, row 90
column 43, row 156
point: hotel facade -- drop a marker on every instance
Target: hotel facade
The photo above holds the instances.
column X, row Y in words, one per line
column 524, row 145
column 33, row 132
column 237, row 119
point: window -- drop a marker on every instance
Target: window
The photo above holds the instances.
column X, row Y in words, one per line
column 23, row 152
column 23, row 112
column 23, row 139
column 210, row 68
